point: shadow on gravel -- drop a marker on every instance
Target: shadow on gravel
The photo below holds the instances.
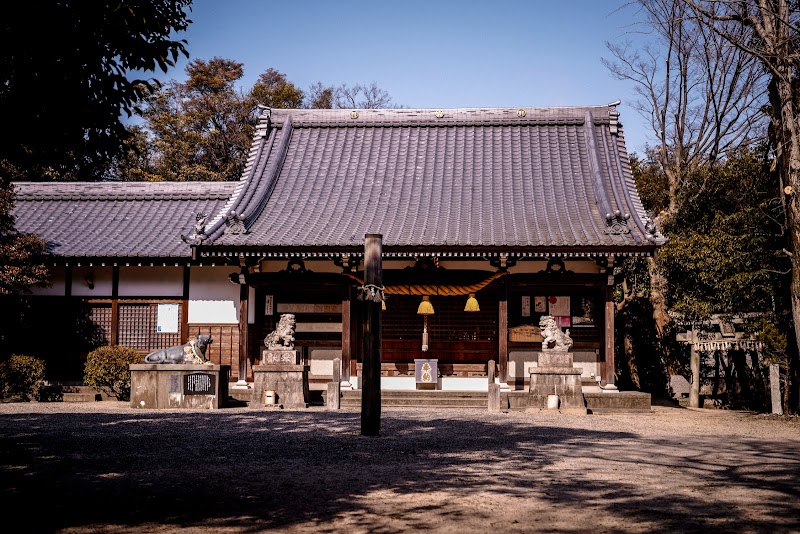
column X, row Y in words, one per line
column 252, row 471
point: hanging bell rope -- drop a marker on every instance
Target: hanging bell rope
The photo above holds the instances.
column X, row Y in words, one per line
column 446, row 291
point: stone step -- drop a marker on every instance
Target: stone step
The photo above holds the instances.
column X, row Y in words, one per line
column 82, row 397
column 420, row 398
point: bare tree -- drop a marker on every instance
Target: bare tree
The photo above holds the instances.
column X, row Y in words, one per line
column 319, row 96
column 362, row 97
column 769, row 32
column 701, row 97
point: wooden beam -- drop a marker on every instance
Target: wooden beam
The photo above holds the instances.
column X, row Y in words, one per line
column 371, row 372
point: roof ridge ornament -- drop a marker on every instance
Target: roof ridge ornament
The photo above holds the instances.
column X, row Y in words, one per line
column 235, row 224
column 198, row 235
column 617, row 223
column 613, row 117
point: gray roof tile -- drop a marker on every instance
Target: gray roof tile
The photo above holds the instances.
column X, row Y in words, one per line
column 116, row 219
column 472, row 178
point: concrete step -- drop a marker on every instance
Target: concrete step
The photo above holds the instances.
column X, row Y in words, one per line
column 421, row 398
column 82, row 397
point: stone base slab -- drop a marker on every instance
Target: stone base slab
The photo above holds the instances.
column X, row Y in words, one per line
column 191, row 386
column 555, row 358
column 562, row 381
column 289, row 382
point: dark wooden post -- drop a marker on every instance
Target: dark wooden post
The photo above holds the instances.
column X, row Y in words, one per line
column 371, row 371
column 347, row 338
column 114, row 305
column 502, row 341
column 244, row 295
column 185, row 305
column 608, row 374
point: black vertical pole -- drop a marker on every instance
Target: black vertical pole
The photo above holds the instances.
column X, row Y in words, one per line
column 371, row 371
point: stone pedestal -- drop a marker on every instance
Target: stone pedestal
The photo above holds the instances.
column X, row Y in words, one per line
column 191, row 386
column 555, row 375
column 289, row 381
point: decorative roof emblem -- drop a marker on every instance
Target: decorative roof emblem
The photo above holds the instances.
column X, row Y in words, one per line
column 354, row 114
column 439, row 114
column 617, row 223
column 520, row 113
column 235, row 223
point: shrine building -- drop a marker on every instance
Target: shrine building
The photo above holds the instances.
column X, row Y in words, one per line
column 496, row 217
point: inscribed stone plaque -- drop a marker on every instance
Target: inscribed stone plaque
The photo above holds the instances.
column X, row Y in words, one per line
column 174, row 384
column 198, row 384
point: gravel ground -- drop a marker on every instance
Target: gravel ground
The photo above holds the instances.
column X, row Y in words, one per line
column 104, row 467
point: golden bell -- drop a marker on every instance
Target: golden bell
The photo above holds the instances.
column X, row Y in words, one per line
column 472, row 304
column 425, row 307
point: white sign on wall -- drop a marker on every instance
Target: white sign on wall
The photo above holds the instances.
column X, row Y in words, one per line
column 167, row 322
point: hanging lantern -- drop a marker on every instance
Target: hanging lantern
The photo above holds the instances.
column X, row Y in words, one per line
column 425, row 309
column 472, row 304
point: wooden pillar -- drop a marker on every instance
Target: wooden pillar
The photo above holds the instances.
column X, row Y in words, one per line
column 608, row 370
column 371, row 371
column 68, row 281
column 244, row 294
column 185, row 305
column 347, row 338
column 694, row 364
column 114, row 305
column 502, row 341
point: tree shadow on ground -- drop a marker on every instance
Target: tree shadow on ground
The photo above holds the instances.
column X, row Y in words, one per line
column 251, row 471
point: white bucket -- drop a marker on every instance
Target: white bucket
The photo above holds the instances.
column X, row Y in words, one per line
column 552, row 402
column 269, row 396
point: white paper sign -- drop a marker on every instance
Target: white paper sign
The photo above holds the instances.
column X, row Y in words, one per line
column 167, row 319
column 559, row 306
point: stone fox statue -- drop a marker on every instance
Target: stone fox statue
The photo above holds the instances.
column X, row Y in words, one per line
column 193, row 352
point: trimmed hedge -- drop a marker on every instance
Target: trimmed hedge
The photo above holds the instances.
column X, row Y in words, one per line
column 107, row 370
column 22, row 377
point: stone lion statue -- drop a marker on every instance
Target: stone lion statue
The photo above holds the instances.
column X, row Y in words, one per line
column 282, row 338
column 193, row 352
column 553, row 334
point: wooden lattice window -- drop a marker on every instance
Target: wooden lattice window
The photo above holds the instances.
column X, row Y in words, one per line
column 138, row 325
column 100, row 315
column 449, row 322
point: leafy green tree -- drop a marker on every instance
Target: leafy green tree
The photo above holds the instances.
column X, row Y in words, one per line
column 197, row 130
column 21, row 254
column 69, row 69
column 274, row 91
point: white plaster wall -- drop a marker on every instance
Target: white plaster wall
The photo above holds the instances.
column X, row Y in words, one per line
column 56, row 280
column 213, row 298
column 146, row 281
column 102, row 277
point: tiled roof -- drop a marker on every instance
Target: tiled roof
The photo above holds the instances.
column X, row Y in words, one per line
column 518, row 178
column 116, row 219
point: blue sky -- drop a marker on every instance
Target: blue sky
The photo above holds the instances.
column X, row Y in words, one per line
column 429, row 54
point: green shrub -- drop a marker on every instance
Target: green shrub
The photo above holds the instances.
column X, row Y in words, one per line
column 107, row 370
column 22, row 377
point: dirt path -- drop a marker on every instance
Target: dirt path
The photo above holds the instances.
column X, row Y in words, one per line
column 103, row 467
